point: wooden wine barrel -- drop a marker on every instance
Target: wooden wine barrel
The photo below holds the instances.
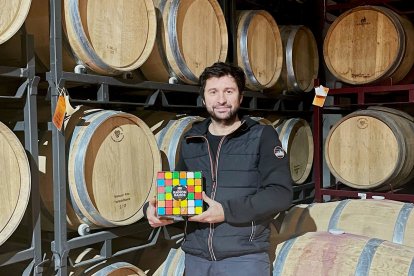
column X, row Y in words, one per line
column 111, row 37
column 297, row 140
column 116, row 268
column 276, row 121
column 278, row 124
column 169, row 139
column 372, row 149
column 185, row 45
column 174, row 264
column 368, row 44
column 112, row 266
column 287, row 221
column 322, row 253
column 156, row 119
column 383, row 219
column 112, row 163
column 12, row 14
column 15, row 182
column 301, row 60
column 261, row 120
column 274, row 239
column 73, row 220
column 259, row 48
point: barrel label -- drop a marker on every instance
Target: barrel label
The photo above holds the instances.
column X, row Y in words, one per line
column 117, row 134
column 297, row 168
column 362, row 123
column 361, row 75
column 122, row 199
column 363, row 22
column 111, row 49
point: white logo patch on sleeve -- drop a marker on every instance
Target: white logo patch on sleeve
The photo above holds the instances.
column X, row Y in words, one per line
column 279, row 152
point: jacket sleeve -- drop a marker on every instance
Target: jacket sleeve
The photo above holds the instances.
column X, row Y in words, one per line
column 275, row 190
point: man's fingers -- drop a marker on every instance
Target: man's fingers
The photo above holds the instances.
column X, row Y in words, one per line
column 194, row 218
column 157, row 222
column 207, row 199
column 200, row 218
column 152, row 201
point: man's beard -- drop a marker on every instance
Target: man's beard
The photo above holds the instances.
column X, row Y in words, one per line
column 228, row 119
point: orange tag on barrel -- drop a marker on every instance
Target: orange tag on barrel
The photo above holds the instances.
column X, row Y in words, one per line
column 60, row 110
column 320, row 95
column 319, row 101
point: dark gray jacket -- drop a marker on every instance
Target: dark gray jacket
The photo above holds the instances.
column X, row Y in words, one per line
column 250, row 177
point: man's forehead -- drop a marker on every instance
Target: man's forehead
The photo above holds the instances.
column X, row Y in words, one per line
column 221, row 81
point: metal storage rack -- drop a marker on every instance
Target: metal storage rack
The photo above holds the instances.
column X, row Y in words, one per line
column 398, row 96
column 57, row 79
column 151, row 94
column 27, row 93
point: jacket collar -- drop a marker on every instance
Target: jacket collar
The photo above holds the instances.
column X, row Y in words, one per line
column 201, row 128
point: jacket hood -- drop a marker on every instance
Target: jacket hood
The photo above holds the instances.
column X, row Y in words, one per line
column 201, row 128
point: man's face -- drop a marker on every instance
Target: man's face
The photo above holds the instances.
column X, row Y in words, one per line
column 222, row 98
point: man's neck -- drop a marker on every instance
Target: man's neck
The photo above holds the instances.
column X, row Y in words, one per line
column 219, row 128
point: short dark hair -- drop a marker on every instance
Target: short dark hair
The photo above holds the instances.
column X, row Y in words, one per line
column 221, row 69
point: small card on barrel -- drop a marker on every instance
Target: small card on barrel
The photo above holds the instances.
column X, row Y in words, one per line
column 179, row 194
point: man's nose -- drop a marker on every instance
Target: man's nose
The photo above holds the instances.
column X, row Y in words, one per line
column 221, row 98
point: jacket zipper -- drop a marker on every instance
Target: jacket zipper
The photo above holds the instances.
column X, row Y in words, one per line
column 213, row 166
column 213, row 195
column 214, row 173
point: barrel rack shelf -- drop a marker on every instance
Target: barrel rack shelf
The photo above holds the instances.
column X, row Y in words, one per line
column 164, row 95
column 147, row 94
column 25, row 98
column 346, row 100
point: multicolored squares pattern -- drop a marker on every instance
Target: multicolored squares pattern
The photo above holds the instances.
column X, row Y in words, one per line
column 179, row 193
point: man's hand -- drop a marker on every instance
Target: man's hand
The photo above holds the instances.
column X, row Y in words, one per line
column 214, row 213
column 153, row 220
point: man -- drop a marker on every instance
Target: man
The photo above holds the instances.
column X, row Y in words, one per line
column 247, row 182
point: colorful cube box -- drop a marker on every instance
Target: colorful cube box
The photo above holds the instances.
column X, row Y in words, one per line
column 179, row 193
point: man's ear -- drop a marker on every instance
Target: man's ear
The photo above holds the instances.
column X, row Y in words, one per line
column 203, row 102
